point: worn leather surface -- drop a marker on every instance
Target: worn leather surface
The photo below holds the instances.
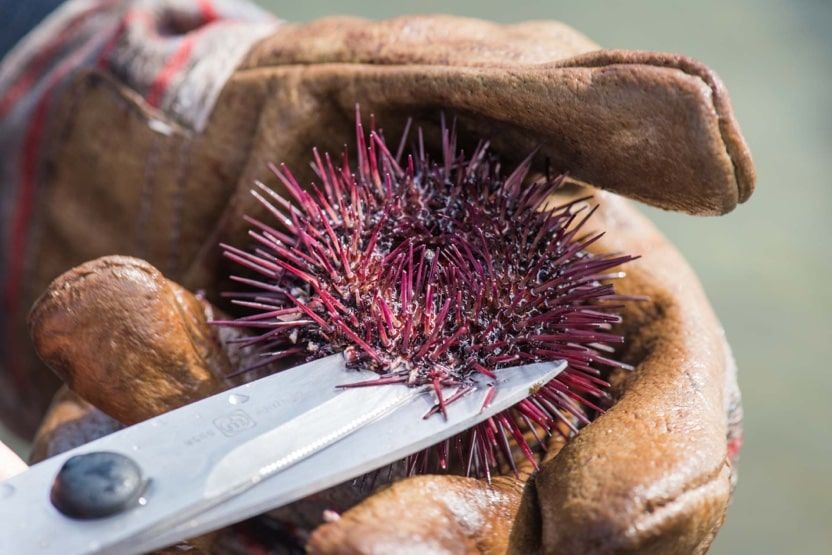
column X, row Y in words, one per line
column 125, row 338
column 651, row 126
column 122, row 178
column 653, row 475
column 71, row 421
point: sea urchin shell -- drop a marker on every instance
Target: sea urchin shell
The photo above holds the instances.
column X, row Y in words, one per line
column 428, row 272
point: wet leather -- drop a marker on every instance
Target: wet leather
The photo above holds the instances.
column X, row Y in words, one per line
column 653, row 475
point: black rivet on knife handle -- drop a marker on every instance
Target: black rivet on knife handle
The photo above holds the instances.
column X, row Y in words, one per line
column 96, row 485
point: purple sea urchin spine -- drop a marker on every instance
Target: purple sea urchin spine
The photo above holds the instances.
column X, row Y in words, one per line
column 430, row 272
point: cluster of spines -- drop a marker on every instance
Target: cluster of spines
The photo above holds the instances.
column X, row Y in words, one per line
column 429, row 273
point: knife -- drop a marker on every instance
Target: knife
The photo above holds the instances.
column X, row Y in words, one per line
column 250, row 449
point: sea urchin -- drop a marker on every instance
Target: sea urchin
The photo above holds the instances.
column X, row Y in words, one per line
column 428, row 272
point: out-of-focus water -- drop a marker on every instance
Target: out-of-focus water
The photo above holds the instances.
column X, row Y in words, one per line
column 765, row 265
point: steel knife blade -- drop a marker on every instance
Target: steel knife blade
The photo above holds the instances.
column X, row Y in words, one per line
column 245, row 451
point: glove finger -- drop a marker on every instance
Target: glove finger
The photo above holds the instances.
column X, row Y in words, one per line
column 445, row 514
column 653, row 473
column 129, row 341
column 657, row 128
column 421, row 40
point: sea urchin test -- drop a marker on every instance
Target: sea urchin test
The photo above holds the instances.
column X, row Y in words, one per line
column 428, row 272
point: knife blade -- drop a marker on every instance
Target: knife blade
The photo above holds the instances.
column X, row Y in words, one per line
column 314, row 438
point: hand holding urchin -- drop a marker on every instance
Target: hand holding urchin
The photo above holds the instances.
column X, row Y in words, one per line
column 654, row 342
column 653, row 473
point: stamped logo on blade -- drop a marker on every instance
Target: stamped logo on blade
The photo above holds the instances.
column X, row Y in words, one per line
column 234, row 423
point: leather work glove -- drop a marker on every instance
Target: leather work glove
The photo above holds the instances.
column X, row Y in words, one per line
column 125, row 168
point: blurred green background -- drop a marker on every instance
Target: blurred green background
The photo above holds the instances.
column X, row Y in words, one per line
column 765, row 265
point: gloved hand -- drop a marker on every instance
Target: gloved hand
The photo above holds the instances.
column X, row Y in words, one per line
column 652, row 474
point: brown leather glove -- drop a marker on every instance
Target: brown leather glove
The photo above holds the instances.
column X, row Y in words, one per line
column 653, row 474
